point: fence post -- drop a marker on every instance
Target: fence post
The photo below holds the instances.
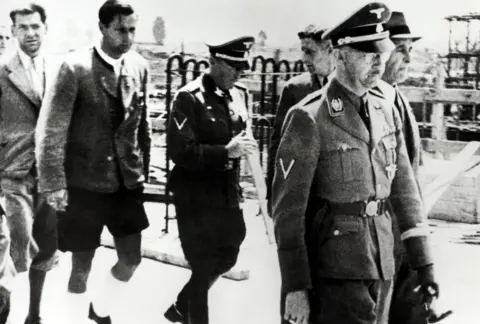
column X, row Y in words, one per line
column 437, row 116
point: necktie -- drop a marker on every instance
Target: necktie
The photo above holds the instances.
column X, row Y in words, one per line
column 36, row 79
column 364, row 111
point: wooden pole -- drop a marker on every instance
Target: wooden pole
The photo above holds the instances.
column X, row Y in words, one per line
column 437, row 117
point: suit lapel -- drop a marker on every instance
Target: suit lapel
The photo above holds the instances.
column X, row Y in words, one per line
column 348, row 118
column 18, row 76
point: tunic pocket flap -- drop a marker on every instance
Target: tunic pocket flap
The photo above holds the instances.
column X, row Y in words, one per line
column 345, row 226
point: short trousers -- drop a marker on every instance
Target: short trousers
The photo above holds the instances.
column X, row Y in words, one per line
column 80, row 226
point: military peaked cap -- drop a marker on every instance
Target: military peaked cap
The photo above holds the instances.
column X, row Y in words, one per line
column 234, row 51
column 363, row 30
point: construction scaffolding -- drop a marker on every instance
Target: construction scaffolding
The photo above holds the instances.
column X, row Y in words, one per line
column 463, row 58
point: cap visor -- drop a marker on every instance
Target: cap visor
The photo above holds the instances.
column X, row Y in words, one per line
column 406, row 36
column 378, row 46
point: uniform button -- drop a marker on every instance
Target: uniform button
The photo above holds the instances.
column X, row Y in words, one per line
column 110, row 158
column 374, row 150
column 379, row 188
column 212, row 119
column 336, row 232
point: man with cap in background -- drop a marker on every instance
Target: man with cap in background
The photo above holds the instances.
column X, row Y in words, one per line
column 206, row 138
column 342, row 154
column 317, row 56
column 406, row 305
column 93, row 152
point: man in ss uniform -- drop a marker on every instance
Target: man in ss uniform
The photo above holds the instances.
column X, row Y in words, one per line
column 405, row 306
column 206, row 139
column 317, row 56
column 31, row 221
column 343, row 153
column 93, row 153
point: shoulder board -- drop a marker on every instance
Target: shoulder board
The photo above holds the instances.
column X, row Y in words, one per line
column 312, row 97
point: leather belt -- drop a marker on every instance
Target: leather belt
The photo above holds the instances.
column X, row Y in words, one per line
column 361, row 208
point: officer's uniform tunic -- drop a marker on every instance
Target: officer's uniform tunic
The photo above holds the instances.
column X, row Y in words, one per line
column 205, row 183
column 335, row 249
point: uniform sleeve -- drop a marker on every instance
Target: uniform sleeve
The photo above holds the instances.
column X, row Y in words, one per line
column 295, row 166
column 183, row 143
column 285, row 103
column 408, row 206
column 52, row 130
column 144, row 131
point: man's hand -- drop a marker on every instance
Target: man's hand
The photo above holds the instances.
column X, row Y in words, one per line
column 58, row 199
column 297, row 307
column 241, row 145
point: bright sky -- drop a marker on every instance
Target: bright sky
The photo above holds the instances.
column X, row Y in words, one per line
column 197, row 20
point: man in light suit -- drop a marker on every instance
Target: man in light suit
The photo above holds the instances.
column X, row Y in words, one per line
column 31, row 221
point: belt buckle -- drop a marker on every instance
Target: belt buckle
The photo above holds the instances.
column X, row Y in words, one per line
column 372, row 208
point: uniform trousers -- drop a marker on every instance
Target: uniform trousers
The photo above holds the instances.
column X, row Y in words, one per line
column 210, row 237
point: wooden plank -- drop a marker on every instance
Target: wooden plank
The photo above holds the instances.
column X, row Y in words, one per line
column 433, row 191
column 176, row 260
column 255, row 166
column 460, row 96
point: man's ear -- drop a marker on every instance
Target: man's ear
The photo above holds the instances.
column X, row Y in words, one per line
column 102, row 27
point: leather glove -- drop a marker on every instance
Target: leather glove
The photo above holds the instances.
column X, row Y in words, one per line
column 428, row 287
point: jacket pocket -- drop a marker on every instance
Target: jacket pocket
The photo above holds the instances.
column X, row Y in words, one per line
column 344, row 164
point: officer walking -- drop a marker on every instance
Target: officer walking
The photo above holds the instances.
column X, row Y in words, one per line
column 344, row 153
column 317, row 56
column 206, row 139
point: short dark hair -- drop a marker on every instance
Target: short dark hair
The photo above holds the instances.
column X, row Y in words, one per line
column 29, row 9
column 112, row 8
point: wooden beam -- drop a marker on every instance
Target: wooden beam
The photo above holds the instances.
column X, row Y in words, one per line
column 176, row 260
column 460, row 96
column 434, row 190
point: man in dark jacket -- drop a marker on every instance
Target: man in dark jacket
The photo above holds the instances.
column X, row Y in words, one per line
column 93, row 152
column 317, row 56
column 206, row 138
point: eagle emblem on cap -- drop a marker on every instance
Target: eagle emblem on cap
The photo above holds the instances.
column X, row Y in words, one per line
column 378, row 12
column 247, row 45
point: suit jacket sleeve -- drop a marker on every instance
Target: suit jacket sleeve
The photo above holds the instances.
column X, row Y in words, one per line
column 184, row 146
column 144, row 131
column 52, row 130
column 295, row 167
column 408, row 206
column 285, row 103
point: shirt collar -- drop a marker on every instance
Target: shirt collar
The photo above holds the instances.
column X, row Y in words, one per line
column 349, row 95
column 115, row 63
column 27, row 60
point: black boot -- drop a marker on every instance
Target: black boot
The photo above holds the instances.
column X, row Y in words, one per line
column 94, row 317
column 173, row 315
